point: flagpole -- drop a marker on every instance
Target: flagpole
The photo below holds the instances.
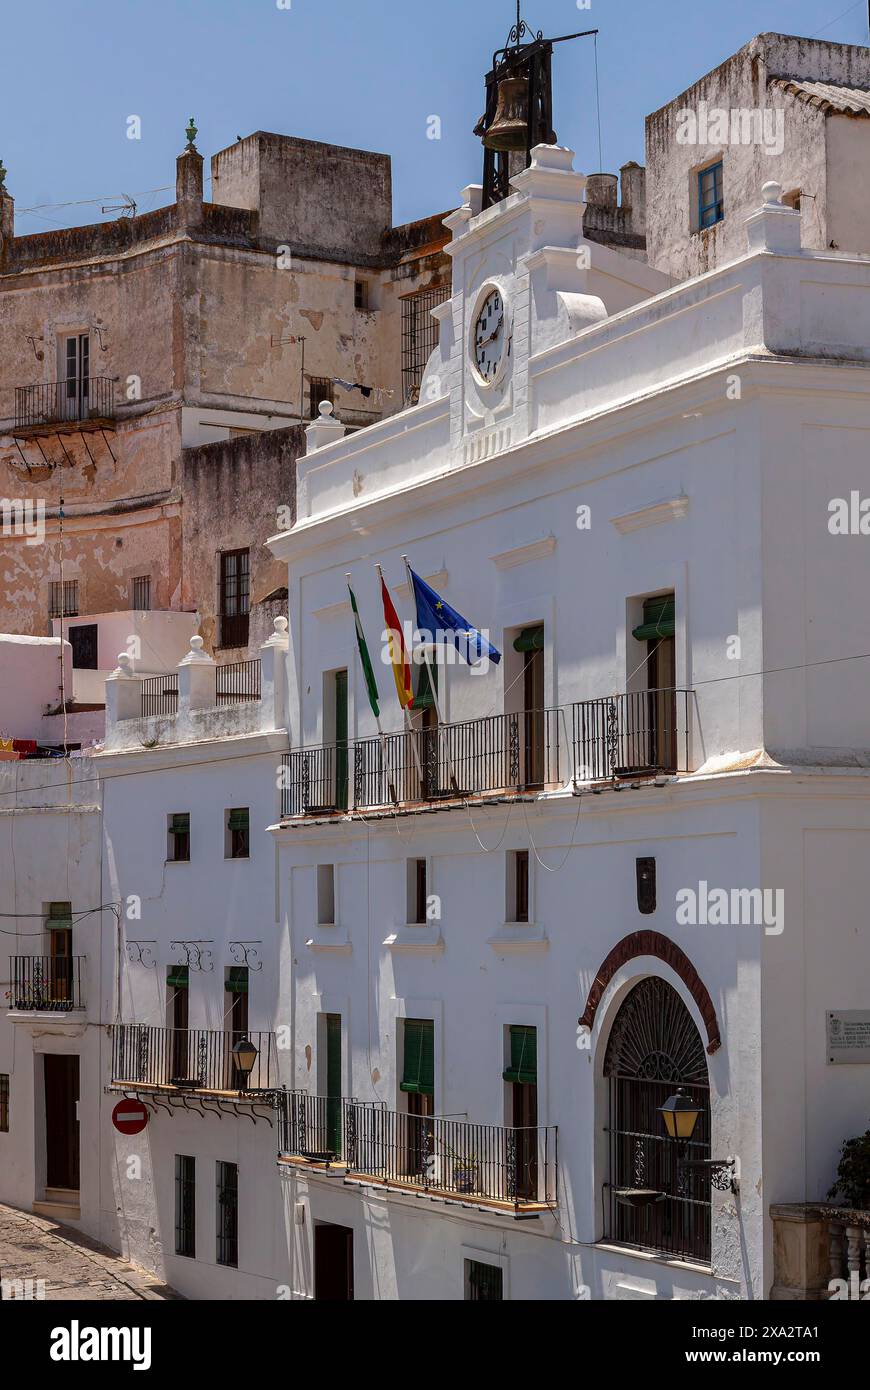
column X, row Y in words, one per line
column 381, row 735
column 433, row 686
column 409, row 729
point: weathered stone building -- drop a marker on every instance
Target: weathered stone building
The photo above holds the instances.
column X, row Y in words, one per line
column 128, row 346
column 792, row 110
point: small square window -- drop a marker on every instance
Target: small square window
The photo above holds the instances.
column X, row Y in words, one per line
column 326, row 895
column 237, row 839
column 484, row 1283
column 141, row 593
column 711, row 204
column 178, row 837
column 63, row 598
column 517, row 904
column 417, row 891
column 361, row 296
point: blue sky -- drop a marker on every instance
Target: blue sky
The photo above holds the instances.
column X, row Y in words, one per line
column 367, row 73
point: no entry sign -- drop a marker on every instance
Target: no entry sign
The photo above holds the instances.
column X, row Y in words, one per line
column 130, row 1116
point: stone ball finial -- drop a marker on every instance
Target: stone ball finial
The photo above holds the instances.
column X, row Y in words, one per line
column 125, row 663
column 771, row 192
column 196, row 644
column 326, row 409
column 281, row 625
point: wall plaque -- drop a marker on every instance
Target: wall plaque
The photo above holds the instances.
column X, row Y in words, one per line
column 848, row 1035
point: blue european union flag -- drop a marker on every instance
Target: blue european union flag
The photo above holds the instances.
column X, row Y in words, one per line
column 435, row 615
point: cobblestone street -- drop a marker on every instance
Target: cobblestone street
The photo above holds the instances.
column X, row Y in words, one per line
column 40, row 1259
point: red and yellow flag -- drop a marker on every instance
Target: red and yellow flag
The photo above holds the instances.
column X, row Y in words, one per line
column 398, row 652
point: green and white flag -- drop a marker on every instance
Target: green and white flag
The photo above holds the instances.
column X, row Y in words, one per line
column 365, row 659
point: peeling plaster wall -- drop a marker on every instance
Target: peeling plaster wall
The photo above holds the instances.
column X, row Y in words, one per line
column 232, row 492
column 806, row 162
column 187, row 318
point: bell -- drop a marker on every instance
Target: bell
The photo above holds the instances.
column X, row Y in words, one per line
column 510, row 128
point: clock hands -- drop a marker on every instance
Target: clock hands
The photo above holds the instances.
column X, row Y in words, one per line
column 482, row 342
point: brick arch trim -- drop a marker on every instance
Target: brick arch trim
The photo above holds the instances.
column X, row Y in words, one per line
column 652, row 943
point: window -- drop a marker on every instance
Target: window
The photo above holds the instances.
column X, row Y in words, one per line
column 178, row 838
column 236, row 985
column 77, row 364
column 361, row 296
column 227, row 1214
column 177, row 1016
column 60, row 963
column 521, row 1074
column 142, row 593
column 319, row 389
column 653, row 744
column 326, row 895
column 83, row 639
column 235, row 597
column 419, row 337
column 711, row 207
column 185, row 1206
column 417, row 891
column 529, row 643
column 332, row 1026
column 483, row 1283
column 237, row 841
column 4, row 1102
column 654, row 1050
column 63, row 598
column 418, row 1085
column 518, row 886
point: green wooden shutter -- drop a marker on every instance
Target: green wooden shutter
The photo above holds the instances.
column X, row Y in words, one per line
column 239, row 819
column 424, row 697
column 341, row 766
column 524, row 1056
column 59, row 917
column 178, row 976
column 658, row 619
column 531, row 639
column 237, row 980
column 333, row 1083
column 418, row 1075
column 181, row 824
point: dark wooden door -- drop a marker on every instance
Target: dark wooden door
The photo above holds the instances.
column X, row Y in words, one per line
column 333, row 1263
column 525, row 1118
column 61, row 1122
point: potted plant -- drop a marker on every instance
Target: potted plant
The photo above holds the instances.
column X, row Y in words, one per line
column 466, row 1168
column 853, row 1173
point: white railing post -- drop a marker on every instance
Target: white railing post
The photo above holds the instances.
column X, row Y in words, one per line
column 273, row 677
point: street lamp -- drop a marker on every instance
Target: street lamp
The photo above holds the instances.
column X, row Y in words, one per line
column 681, row 1114
column 244, row 1057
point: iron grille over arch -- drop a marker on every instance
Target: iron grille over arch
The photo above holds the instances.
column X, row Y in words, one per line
column 654, row 1048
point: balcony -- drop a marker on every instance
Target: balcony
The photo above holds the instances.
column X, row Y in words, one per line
column 47, row 984
column 472, row 1164
column 65, row 407
column 189, row 1059
column 620, row 736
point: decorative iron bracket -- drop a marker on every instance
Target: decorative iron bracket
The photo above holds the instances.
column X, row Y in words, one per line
column 244, row 953
column 137, row 952
column 196, row 958
column 724, row 1172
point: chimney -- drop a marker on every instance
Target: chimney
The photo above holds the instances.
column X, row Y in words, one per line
column 7, row 215
column 188, row 182
column 633, row 178
column 601, row 190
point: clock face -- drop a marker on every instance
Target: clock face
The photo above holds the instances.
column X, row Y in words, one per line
column 491, row 342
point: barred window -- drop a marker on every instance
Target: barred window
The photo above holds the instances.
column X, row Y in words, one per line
column 142, row 593
column 227, row 1214
column 320, row 389
column 4, row 1102
column 63, row 598
column 419, row 337
column 185, row 1205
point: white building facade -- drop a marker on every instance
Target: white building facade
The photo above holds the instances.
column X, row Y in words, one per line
column 404, row 1010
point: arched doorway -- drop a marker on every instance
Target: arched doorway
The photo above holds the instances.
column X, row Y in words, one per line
column 654, row 1048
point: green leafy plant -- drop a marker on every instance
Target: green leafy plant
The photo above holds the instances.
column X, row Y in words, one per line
column 853, row 1173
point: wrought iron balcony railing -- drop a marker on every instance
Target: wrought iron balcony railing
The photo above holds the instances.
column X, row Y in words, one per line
column 47, row 984
column 159, row 695
column 237, row 681
column 82, row 402
column 189, row 1059
column 468, row 1162
column 635, row 734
